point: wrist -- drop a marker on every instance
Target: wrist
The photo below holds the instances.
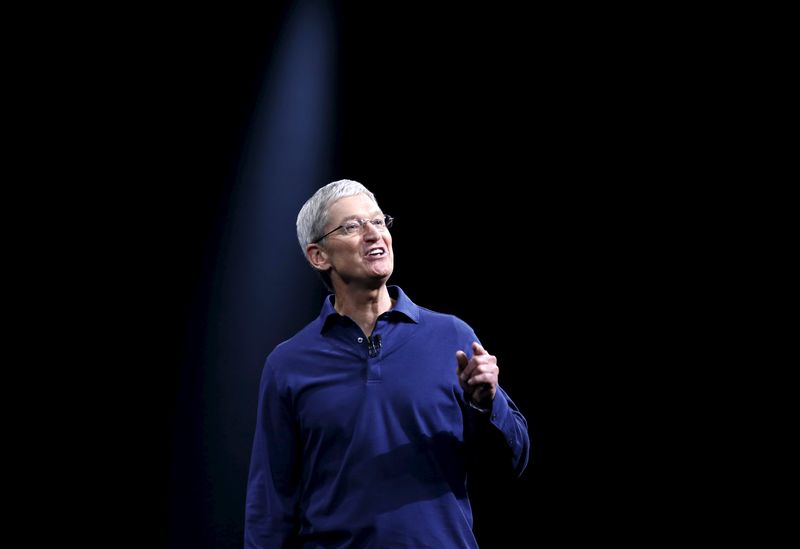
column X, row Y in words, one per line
column 483, row 407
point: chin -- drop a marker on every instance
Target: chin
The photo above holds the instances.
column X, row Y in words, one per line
column 385, row 273
column 382, row 275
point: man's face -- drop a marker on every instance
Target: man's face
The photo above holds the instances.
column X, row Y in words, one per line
column 365, row 254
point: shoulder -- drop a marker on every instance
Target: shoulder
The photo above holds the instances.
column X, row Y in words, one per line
column 445, row 321
column 287, row 351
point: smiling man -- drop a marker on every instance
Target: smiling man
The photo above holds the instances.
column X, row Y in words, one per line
column 371, row 418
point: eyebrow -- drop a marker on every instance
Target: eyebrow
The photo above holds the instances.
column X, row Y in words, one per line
column 354, row 216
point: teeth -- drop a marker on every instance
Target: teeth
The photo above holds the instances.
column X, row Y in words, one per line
column 376, row 252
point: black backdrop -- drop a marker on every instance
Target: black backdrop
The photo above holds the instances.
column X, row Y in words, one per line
column 510, row 149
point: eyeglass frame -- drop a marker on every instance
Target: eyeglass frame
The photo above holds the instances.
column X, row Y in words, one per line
column 387, row 223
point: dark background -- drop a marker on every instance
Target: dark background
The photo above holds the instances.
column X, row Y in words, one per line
column 515, row 151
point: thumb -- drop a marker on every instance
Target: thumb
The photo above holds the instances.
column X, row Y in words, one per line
column 478, row 349
column 462, row 360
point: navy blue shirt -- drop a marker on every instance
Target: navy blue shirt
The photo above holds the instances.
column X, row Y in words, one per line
column 360, row 444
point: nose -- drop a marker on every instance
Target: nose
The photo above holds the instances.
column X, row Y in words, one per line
column 371, row 233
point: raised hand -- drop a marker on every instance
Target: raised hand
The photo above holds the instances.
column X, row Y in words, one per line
column 478, row 375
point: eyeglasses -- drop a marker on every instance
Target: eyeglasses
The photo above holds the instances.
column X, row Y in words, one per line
column 353, row 226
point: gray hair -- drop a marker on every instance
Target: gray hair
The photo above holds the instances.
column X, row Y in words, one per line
column 313, row 216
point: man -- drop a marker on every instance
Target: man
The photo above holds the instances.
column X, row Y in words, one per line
column 371, row 416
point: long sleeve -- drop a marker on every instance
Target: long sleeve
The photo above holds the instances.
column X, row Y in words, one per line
column 499, row 434
column 271, row 518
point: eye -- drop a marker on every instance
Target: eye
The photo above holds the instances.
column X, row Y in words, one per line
column 377, row 223
column 351, row 226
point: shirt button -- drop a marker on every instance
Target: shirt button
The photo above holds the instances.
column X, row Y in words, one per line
column 360, row 340
column 494, row 416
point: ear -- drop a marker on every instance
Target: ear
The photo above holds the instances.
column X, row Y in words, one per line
column 317, row 257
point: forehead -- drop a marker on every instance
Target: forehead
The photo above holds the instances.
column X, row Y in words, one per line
column 359, row 206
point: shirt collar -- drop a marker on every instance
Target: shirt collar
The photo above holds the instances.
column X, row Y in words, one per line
column 403, row 307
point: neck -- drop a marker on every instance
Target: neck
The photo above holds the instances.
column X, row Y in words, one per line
column 363, row 305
